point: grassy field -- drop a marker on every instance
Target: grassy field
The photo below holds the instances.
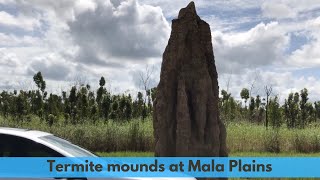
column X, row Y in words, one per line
column 135, row 138
column 137, row 135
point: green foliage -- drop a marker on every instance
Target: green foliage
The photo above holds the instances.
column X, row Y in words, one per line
column 137, row 135
column 244, row 94
column 102, row 81
column 78, row 105
column 51, row 120
column 82, row 105
column 274, row 114
column 230, row 109
column 292, row 110
column 272, row 142
column 38, row 79
column 247, row 137
column 258, row 102
column 251, row 107
column 303, row 107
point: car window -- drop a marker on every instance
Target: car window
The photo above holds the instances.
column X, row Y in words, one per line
column 14, row 146
column 67, row 146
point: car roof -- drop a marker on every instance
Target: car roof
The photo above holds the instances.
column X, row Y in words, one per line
column 23, row 132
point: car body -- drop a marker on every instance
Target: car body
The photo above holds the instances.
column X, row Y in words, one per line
column 15, row 142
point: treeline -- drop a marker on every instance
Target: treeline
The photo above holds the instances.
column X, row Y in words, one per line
column 81, row 104
column 296, row 111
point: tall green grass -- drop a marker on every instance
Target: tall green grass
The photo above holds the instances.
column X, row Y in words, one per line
column 246, row 137
column 137, row 135
column 134, row 135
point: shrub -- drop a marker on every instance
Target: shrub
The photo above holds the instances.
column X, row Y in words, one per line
column 272, row 142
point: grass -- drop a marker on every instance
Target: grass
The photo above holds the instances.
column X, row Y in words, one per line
column 246, row 137
column 135, row 138
column 137, row 135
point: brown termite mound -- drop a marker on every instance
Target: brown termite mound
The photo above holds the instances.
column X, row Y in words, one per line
column 186, row 117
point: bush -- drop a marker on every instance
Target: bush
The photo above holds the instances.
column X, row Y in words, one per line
column 272, row 142
column 306, row 144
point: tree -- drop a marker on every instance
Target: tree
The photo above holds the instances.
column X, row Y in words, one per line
column 105, row 107
column 37, row 103
column 225, row 95
column 138, row 106
column 311, row 113
column 38, row 79
column 102, row 81
column 100, row 94
column 73, row 101
column 128, row 108
column 20, row 106
column 53, row 104
column 251, row 107
column 268, row 91
column 145, row 80
column 303, row 107
column 82, row 103
column 258, row 102
column 317, row 109
column 93, row 112
column 114, row 110
column 225, row 102
column 245, row 95
column 5, row 103
column 274, row 112
column 252, row 87
column 291, row 110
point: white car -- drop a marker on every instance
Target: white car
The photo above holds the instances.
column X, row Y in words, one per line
column 16, row 142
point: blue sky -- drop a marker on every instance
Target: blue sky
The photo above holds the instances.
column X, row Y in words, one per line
column 259, row 43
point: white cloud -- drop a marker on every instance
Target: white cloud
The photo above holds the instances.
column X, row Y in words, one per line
column 19, row 21
column 86, row 38
column 62, row 10
column 116, row 38
column 128, row 31
column 277, row 10
column 8, row 59
column 97, row 31
column 288, row 8
column 171, row 8
column 52, row 66
column 13, row 40
column 7, row 1
column 260, row 46
column 308, row 55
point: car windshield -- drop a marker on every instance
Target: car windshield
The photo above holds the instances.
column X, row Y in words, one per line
column 70, row 148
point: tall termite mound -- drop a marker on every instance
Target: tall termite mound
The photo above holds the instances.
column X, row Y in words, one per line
column 186, row 117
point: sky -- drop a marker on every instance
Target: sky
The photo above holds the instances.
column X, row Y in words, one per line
column 256, row 43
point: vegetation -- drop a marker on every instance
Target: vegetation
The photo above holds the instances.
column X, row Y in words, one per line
column 296, row 111
column 82, row 105
column 137, row 135
column 105, row 122
column 78, row 106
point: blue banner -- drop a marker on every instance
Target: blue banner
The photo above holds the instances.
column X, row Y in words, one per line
column 160, row 167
